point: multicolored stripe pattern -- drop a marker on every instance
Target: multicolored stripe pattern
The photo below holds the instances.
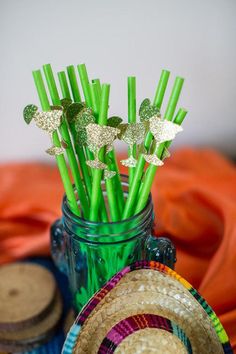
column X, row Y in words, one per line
column 224, row 340
column 138, row 322
column 71, row 339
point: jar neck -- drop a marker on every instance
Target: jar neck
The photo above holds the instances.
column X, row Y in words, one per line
column 110, row 232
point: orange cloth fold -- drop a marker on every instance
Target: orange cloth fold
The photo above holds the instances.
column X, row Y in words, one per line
column 195, row 205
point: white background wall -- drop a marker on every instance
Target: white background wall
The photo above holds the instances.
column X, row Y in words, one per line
column 193, row 39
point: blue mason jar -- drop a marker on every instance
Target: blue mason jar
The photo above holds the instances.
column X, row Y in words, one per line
column 90, row 253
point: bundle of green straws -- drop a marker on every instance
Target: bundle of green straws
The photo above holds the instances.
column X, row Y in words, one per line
column 82, row 140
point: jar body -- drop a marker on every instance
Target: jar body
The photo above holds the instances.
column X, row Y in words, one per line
column 90, row 253
column 91, row 265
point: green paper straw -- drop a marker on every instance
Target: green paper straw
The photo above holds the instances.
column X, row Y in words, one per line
column 65, row 89
column 172, row 103
column 97, row 174
column 56, row 141
column 114, row 165
column 178, row 120
column 95, row 99
column 96, row 95
column 87, row 95
column 170, row 107
column 139, row 170
column 161, row 88
column 151, row 171
column 88, row 99
column 66, row 137
column 85, row 83
column 73, row 83
column 111, row 191
column 131, row 118
column 99, row 87
column 116, row 179
column 159, row 96
column 82, row 160
column 79, row 150
column 112, row 196
column 64, row 85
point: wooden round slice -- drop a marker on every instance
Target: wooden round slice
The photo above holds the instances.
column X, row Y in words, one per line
column 36, row 334
column 27, row 292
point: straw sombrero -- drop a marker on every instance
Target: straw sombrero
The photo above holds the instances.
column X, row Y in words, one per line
column 147, row 308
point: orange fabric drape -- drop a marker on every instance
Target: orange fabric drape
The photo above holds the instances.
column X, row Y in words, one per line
column 195, row 205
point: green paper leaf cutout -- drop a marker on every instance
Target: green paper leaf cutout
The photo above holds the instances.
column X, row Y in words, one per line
column 145, row 103
column 73, row 110
column 122, row 128
column 66, row 102
column 84, row 118
column 114, row 121
column 29, row 112
column 147, row 110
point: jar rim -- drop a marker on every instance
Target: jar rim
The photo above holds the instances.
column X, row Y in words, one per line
column 68, row 213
